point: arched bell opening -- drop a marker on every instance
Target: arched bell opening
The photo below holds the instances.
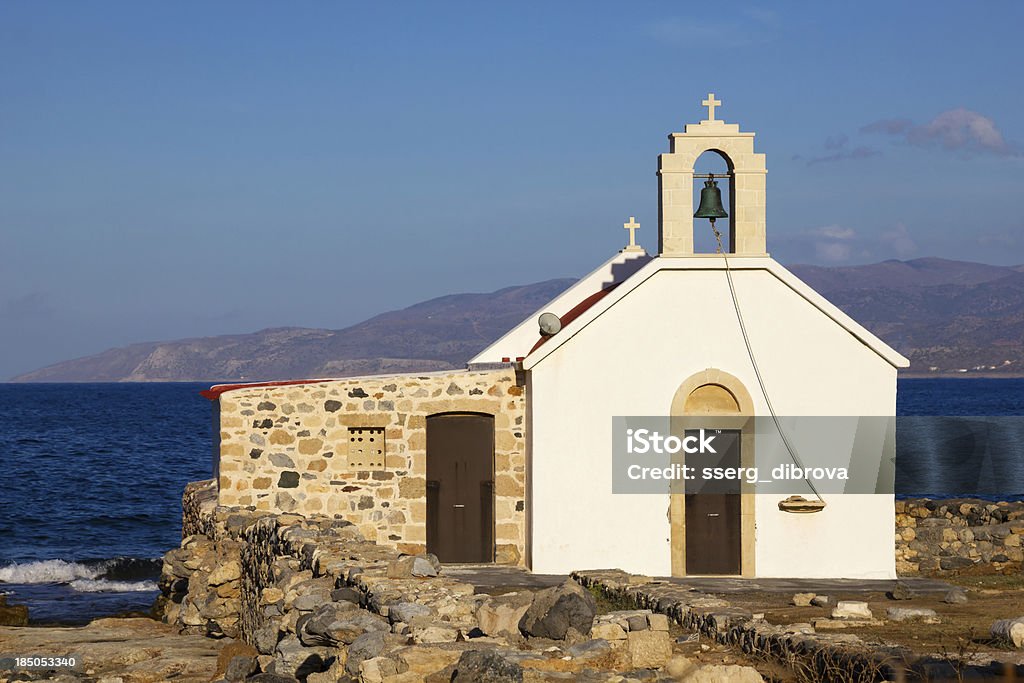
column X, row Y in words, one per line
column 713, row 166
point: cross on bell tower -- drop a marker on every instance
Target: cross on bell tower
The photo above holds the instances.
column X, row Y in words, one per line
column 711, row 103
column 746, row 178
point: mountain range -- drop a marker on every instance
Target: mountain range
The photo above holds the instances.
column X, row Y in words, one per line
column 948, row 317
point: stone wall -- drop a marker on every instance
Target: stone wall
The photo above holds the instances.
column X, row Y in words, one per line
column 295, row 448
column 936, row 536
column 197, row 505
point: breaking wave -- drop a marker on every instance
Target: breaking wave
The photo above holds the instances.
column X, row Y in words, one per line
column 116, row 575
column 104, row 586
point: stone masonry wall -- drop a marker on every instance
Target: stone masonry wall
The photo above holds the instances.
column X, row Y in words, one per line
column 306, row 448
column 935, row 536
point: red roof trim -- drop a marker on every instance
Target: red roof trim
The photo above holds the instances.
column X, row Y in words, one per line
column 576, row 311
column 214, row 392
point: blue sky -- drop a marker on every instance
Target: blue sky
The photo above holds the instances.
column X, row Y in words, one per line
column 189, row 169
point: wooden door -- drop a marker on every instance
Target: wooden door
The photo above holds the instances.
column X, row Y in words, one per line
column 713, row 537
column 460, row 487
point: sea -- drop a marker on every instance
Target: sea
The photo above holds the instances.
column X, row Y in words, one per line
column 91, row 477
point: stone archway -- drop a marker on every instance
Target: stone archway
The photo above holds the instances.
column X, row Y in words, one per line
column 717, row 400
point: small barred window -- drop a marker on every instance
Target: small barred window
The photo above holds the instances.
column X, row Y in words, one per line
column 366, row 448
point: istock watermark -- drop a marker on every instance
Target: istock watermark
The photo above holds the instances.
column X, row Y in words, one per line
column 908, row 455
column 648, row 441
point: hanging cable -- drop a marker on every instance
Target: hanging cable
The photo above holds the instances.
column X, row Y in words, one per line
column 753, row 361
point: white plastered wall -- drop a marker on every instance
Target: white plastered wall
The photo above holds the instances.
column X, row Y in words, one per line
column 631, row 358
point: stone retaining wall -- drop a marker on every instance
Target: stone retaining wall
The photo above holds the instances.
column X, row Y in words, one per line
column 936, row 536
column 307, row 449
column 197, row 505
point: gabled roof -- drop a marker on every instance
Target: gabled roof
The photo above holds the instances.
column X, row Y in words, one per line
column 518, row 341
column 709, row 262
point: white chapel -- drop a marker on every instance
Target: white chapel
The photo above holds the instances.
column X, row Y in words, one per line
column 511, row 460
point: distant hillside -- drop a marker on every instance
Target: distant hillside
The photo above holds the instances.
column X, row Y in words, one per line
column 434, row 335
column 947, row 315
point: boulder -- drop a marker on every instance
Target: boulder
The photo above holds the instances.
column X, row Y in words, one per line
column 901, row 591
column 501, row 614
column 377, row 670
column 266, row 637
column 240, row 668
column 955, row 596
column 338, row 623
column 649, row 649
column 723, row 673
column 803, row 599
column 414, row 566
column 345, row 594
column 405, row 612
column 434, row 633
column 851, row 609
column 657, row 622
column 557, row 609
column 423, row 567
column 12, row 615
column 228, row 571
column 637, row 622
column 486, row 666
column 928, row 616
column 424, row 660
column 292, row 658
column 272, row 678
column 1009, row 631
column 953, row 563
column 308, row 603
column 366, row 646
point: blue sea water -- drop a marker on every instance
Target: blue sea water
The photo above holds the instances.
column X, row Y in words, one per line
column 91, row 477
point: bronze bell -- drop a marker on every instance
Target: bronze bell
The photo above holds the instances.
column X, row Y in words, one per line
column 710, row 201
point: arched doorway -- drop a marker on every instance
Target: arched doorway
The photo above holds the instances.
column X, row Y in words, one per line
column 713, row 532
column 460, row 487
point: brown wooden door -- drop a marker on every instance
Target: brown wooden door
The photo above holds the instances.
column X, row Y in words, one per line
column 713, row 543
column 460, row 487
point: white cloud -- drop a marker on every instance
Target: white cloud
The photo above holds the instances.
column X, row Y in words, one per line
column 833, row 252
column 833, row 243
column 955, row 130
column 839, row 244
column 898, row 240
column 836, row 232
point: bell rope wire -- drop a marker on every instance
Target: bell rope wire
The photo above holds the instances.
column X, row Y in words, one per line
column 753, row 361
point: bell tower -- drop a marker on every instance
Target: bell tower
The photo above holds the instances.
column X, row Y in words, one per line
column 747, row 183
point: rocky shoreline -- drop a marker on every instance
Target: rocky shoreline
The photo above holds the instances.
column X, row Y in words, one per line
column 283, row 597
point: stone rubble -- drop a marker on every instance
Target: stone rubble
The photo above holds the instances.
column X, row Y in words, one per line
column 851, row 609
column 315, row 601
column 923, row 614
